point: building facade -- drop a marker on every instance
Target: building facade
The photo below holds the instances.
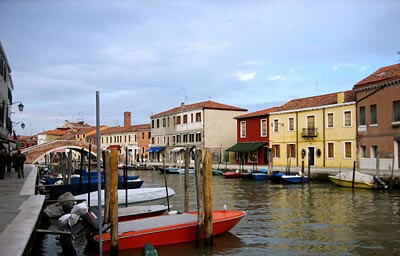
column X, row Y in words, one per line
column 378, row 116
column 205, row 124
column 6, row 88
column 252, row 138
column 320, row 129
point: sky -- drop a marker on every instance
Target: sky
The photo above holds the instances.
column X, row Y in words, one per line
column 149, row 56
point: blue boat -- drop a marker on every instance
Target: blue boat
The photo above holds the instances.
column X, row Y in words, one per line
column 260, row 176
column 282, row 178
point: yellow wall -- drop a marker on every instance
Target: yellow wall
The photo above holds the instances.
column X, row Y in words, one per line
column 337, row 135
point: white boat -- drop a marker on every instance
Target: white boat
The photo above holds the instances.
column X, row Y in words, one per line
column 182, row 171
column 138, row 196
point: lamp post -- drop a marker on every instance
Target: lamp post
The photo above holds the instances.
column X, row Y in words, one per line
column 20, row 105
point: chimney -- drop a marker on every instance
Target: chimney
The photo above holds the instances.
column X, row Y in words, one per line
column 182, row 104
column 340, row 97
column 127, row 119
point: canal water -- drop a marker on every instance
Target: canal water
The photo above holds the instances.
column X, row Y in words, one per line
column 308, row 219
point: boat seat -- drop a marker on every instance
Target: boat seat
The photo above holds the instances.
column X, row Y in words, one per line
column 155, row 222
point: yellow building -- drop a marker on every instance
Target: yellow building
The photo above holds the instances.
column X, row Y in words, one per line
column 321, row 128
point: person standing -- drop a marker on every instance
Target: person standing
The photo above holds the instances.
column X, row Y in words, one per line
column 3, row 162
column 19, row 164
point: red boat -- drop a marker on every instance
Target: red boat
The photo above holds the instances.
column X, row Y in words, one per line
column 168, row 229
column 231, row 175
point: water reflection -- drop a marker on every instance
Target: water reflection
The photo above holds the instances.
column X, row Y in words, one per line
column 310, row 219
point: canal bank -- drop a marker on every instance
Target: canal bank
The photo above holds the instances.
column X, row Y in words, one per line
column 19, row 212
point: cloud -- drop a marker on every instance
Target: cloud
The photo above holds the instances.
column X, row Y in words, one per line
column 244, row 76
column 254, row 63
column 336, row 67
column 364, row 68
column 277, row 78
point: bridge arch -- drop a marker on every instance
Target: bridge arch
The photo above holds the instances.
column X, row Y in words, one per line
column 33, row 154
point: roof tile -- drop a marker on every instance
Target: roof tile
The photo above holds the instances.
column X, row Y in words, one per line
column 384, row 74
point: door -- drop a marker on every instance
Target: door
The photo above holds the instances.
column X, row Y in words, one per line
column 311, row 154
column 266, row 155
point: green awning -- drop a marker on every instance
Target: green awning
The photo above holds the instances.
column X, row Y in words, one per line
column 246, row 147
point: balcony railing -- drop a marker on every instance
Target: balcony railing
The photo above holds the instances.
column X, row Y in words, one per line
column 309, row 132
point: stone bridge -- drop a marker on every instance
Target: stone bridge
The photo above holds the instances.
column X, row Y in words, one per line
column 33, row 154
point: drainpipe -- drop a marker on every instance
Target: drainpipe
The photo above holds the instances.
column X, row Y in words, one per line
column 323, row 137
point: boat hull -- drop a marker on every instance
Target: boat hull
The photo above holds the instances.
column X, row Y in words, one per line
column 348, row 183
column 281, row 178
column 231, row 175
column 260, row 176
column 181, row 233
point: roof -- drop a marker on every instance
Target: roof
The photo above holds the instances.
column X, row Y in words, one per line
column 384, row 74
column 28, row 138
column 258, row 113
column 316, row 101
column 246, row 147
column 122, row 129
column 56, row 132
column 200, row 105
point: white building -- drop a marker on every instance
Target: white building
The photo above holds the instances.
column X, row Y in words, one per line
column 206, row 124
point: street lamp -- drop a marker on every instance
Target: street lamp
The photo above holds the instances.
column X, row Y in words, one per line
column 20, row 105
column 22, row 124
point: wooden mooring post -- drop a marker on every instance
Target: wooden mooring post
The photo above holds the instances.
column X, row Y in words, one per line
column 81, row 168
column 187, row 162
column 106, row 171
column 69, row 166
column 113, row 165
column 199, row 195
column 354, row 174
column 207, row 192
column 166, row 184
column 89, row 176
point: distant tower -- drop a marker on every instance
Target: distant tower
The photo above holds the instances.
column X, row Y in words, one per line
column 127, row 119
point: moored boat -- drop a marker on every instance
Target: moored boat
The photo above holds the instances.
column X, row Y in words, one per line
column 231, row 175
column 142, row 196
column 260, row 176
column 168, row 229
column 361, row 180
column 282, row 178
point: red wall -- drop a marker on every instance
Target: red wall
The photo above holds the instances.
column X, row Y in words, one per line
column 253, row 134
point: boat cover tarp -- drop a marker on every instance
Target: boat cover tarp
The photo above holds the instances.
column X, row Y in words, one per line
column 155, row 149
column 156, row 222
column 177, row 149
column 246, row 147
column 135, row 196
column 359, row 177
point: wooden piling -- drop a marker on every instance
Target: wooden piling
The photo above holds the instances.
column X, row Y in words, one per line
column 106, row 164
column 126, row 177
column 187, row 162
column 69, row 166
column 63, row 173
column 302, row 170
column 199, row 195
column 309, row 168
column 207, row 192
column 113, row 164
column 354, row 174
column 81, row 174
column 166, row 184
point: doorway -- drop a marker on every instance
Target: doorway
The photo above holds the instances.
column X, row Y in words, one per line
column 311, row 156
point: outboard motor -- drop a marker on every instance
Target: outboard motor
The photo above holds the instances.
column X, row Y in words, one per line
column 380, row 182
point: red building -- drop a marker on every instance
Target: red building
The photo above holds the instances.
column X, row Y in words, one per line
column 26, row 141
column 252, row 138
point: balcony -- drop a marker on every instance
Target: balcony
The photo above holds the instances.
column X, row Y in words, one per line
column 309, row 133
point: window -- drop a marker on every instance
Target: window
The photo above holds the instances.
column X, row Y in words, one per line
column 198, row 137
column 174, row 121
column 330, row 120
column 178, row 119
column 347, row 149
column 396, row 111
column 374, row 151
column 198, row 117
column 263, row 127
column 102, row 140
column 152, row 123
column 164, row 139
column 125, row 137
column 374, row 117
column 158, row 140
column 158, row 123
column 363, row 150
column 362, row 115
column 185, row 119
column 347, row 118
column 275, row 151
column 291, row 124
column 191, row 137
column 178, row 138
column 164, row 122
column 173, row 139
column 331, row 150
column 191, row 118
column 276, row 125
column 168, row 121
column 290, row 150
column 142, row 135
column 243, row 129
column 152, row 140
column 185, row 138
column 135, row 137
column 310, row 122
column 149, row 133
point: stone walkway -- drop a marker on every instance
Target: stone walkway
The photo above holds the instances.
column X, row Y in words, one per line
column 19, row 211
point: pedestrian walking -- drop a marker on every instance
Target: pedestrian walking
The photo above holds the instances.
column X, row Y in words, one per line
column 19, row 164
column 3, row 162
